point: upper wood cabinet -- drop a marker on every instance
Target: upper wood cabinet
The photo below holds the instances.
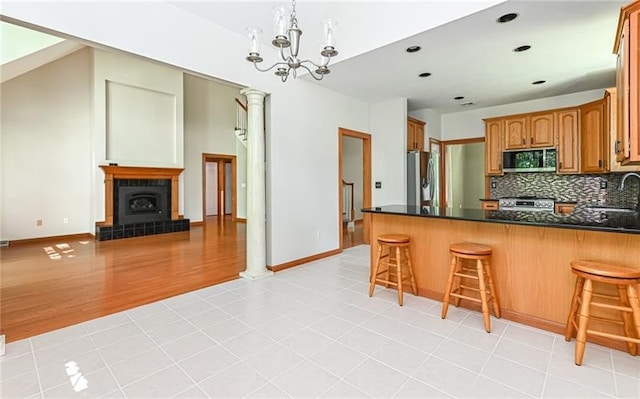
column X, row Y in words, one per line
column 415, row 134
column 611, row 124
column 529, row 131
column 627, row 48
column 542, row 130
column 594, row 154
column 567, row 131
column 515, row 132
column 493, row 146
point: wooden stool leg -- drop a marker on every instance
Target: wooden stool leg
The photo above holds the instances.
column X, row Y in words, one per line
column 414, row 287
column 374, row 275
column 457, row 282
column 483, row 296
column 399, row 274
column 492, row 288
column 583, row 320
column 447, row 292
column 634, row 302
column 627, row 319
column 389, row 261
column 573, row 312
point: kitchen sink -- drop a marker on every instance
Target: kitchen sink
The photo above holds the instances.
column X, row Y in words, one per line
column 609, row 208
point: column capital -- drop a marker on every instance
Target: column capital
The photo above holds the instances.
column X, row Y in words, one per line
column 253, row 92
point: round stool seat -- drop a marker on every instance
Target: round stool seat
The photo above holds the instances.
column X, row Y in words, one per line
column 469, row 248
column 604, row 270
column 394, row 239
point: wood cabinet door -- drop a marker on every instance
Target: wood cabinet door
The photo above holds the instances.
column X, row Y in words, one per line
column 594, row 146
column 622, row 95
column 515, row 133
column 541, row 133
column 411, row 135
column 632, row 69
column 568, row 141
column 419, row 137
column 493, row 147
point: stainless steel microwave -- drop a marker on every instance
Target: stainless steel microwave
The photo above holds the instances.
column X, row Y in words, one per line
column 533, row 160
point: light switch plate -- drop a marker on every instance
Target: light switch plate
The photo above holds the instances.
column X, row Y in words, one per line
column 378, row 184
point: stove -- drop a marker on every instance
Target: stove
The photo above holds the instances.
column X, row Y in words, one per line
column 526, row 203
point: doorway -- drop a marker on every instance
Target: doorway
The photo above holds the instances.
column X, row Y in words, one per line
column 464, row 179
column 354, row 182
column 218, row 186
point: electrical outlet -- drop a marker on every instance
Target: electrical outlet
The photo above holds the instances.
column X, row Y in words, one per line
column 494, row 184
column 65, row 220
column 318, row 233
column 603, row 184
column 378, row 184
column 39, row 223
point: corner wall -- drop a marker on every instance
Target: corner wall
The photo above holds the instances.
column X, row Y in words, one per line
column 46, row 159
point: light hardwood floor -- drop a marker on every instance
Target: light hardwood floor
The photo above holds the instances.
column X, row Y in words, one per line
column 352, row 238
column 46, row 285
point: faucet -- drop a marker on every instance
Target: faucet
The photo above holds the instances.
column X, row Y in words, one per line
column 624, row 178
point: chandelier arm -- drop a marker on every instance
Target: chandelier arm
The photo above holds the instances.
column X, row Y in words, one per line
column 255, row 64
column 311, row 72
column 282, row 56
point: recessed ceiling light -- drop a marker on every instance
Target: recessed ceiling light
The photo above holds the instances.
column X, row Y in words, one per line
column 425, row 74
column 507, row 18
column 538, row 82
column 413, row 49
column 522, row 48
column 466, row 104
column 458, row 98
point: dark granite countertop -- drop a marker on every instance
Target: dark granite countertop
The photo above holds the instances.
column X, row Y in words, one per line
column 581, row 218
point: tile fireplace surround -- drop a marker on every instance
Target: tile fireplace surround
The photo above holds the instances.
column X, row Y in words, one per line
column 108, row 230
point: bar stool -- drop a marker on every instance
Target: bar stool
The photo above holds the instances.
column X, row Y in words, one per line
column 481, row 273
column 626, row 281
column 393, row 254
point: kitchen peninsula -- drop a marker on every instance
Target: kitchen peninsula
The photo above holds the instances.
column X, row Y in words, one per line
column 531, row 252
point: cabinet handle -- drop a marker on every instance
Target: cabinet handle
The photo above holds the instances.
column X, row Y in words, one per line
column 523, row 141
column 531, row 141
column 599, row 163
column 560, row 165
column 617, row 147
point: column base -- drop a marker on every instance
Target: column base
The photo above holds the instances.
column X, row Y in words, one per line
column 252, row 276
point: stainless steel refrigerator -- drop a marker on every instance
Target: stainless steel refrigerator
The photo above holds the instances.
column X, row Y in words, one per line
column 422, row 179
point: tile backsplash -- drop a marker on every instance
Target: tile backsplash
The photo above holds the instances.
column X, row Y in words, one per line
column 585, row 189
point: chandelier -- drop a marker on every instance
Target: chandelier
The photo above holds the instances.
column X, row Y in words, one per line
column 287, row 40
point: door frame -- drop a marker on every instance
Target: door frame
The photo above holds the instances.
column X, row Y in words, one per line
column 366, row 180
column 443, row 156
column 217, row 158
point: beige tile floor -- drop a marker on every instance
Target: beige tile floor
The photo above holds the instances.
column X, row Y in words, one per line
column 310, row 331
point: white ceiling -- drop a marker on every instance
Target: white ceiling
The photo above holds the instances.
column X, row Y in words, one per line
column 571, row 43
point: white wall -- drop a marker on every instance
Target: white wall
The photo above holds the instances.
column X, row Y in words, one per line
column 209, row 121
column 469, row 124
column 353, row 172
column 302, row 168
column 389, row 144
column 46, row 150
column 433, row 120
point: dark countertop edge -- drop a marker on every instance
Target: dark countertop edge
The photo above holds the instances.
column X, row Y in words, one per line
column 603, row 229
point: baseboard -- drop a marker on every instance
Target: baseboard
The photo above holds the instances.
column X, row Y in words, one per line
column 194, row 224
column 532, row 321
column 301, row 261
column 241, row 220
column 68, row 237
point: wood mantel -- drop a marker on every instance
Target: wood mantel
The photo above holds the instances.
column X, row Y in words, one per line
column 138, row 172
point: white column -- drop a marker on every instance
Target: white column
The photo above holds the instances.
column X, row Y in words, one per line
column 256, row 194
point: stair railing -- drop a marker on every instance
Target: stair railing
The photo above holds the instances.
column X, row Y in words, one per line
column 349, row 212
column 241, row 120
